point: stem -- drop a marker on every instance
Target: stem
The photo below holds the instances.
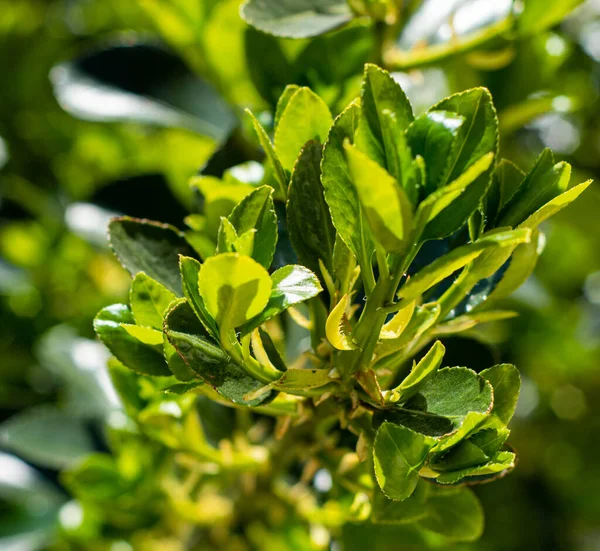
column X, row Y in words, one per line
column 397, row 60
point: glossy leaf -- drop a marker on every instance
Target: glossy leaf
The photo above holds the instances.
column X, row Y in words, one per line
column 149, row 247
column 477, row 136
column 289, row 285
column 149, row 300
column 308, row 219
column 398, row 454
column 505, row 182
column 394, row 327
column 385, row 203
column 305, row 117
column 433, row 136
column 126, row 348
column 296, row 18
column 234, row 289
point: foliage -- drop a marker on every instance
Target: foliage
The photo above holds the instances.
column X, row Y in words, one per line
column 270, row 345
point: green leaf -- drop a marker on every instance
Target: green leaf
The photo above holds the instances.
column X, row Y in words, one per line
column 306, row 117
column 146, row 335
column 385, row 203
column 47, row 437
column 473, row 421
column 126, row 348
column 257, row 211
column 234, row 288
column 506, row 383
column 290, row 285
column 388, row 511
column 435, row 218
column 419, row 374
column 394, row 328
column 499, row 464
column 190, row 270
column 283, row 101
column 281, row 178
column 204, row 357
column 433, row 136
column 465, row 455
column 385, row 115
column 337, row 327
column 149, row 247
column 506, row 180
column 543, row 183
column 181, row 316
column 309, row 223
column 296, row 18
column 398, row 454
column 149, row 300
column 446, row 265
column 340, row 193
column 468, row 321
column 554, row 206
column 454, row 513
column 443, row 402
column 300, row 379
column 477, row 136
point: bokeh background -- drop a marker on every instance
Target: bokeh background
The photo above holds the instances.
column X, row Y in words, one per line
column 78, row 143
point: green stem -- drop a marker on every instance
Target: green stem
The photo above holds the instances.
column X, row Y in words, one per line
column 398, row 60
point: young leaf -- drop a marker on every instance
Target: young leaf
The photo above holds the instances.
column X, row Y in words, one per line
column 150, row 247
column 337, row 327
column 234, row 288
column 296, row 18
column 433, row 136
column 291, row 285
column 456, row 259
column 146, row 335
column 190, row 270
column 464, row 455
column 149, row 300
column 398, row 454
column 281, row 178
column 393, row 328
column 506, row 383
column 257, row 212
column 283, row 100
column 308, row 219
column 306, row 117
column 454, row 513
column 385, row 203
column 468, row 321
column 340, row 193
column 127, row 349
column 420, row 373
column 302, row 379
column 554, row 206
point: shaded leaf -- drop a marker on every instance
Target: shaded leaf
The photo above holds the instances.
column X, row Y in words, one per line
column 149, row 300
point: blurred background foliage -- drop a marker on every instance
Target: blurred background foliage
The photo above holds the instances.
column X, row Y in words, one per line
column 164, row 110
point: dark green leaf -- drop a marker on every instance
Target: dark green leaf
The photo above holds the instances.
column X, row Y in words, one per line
column 150, row 247
column 505, row 182
column 388, row 511
column 308, row 220
column 398, row 455
column 190, row 270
